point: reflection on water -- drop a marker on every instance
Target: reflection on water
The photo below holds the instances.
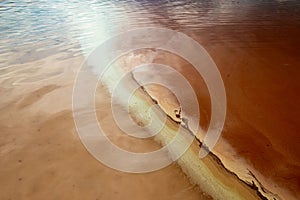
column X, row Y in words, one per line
column 255, row 44
column 30, row 30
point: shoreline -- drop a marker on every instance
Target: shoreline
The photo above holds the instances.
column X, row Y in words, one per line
column 251, row 186
column 183, row 162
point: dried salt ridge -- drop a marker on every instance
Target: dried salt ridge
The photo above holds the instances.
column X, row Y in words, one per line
column 254, row 187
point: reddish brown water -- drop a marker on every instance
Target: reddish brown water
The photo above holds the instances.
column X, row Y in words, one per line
column 255, row 45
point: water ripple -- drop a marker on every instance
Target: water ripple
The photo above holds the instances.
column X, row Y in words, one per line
column 45, row 27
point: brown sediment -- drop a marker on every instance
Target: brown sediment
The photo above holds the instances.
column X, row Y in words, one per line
column 260, row 123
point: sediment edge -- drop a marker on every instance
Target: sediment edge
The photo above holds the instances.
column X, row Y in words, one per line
column 254, row 185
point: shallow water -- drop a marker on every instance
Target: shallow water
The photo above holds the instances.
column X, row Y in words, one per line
column 255, row 44
column 30, row 30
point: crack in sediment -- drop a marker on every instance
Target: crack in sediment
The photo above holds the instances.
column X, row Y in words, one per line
column 251, row 185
